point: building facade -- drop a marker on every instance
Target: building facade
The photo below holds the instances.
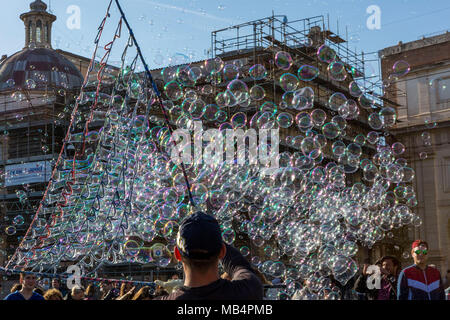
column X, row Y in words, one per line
column 37, row 89
column 424, row 128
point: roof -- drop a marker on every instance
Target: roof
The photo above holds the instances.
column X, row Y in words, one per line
column 417, row 44
column 45, row 67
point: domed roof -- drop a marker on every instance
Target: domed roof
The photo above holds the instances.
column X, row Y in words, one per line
column 38, row 5
column 39, row 69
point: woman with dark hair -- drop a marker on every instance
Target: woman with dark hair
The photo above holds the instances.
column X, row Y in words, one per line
column 390, row 268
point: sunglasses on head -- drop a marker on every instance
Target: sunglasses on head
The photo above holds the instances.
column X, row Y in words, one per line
column 424, row 252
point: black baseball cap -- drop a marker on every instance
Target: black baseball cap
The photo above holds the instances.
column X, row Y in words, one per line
column 199, row 236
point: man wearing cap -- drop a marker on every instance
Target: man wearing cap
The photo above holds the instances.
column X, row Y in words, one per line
column 420, row 281
column 199, row 248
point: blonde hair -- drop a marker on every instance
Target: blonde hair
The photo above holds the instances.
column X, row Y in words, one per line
column 52, row 293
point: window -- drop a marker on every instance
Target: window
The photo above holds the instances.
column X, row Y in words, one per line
column 30, row 30
column 443, row 90
column 39, row 31
column 47, row 33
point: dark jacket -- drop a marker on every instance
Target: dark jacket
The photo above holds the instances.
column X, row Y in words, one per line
column 417, row 284
column 245, row 285
column 372, row 294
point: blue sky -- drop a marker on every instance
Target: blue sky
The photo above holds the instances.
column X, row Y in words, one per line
column 165, row 28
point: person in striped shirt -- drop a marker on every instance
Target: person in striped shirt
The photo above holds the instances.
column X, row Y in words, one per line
column 420, row 281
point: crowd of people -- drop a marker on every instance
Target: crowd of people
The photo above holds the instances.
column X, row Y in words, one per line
column 200, row 249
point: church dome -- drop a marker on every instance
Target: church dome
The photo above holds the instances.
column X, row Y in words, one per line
column 38, row 5
column 39, row 69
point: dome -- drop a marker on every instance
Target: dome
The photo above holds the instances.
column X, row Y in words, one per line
column 38, row 5
column 46, row 67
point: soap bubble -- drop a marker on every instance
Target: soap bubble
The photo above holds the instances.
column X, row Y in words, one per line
column 258, row 72
column 340, row 180
column 10, row 83
column 18, row 220
column 326, row 54
column 283, row 60
column 337, row 71
column 400, row 68
column 228, row 236
column 10, row 230
column 308, row 73
column 288, row 82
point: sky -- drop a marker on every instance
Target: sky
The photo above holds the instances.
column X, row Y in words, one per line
column 166, row 28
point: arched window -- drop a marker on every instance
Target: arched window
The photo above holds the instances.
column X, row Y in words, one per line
column 39, row 31
column 47, row 33
column 30, row 30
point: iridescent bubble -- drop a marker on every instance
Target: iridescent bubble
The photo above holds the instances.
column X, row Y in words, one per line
column 257, row 93
column 303, row 98
column 10, row 83
column 245, row 251
column 398, row 148
column 207, row 89
column 389, row 116
column 330, row 131
column 366, row 102
column 340, row 122
column 30, row 84
column 354, row 89
column 400, row 68
column 336, row 100
column 228, row 236
column 318, row 117
column 304, row 121
column 230, row 72
column 375, row 121
column 239, row 91
column 277, row 269
column 337, row 71
column 307, row 73
column 131, row 248
column 10, row 230
column 199, row 193
column 258, row 72
column 239, row 120
column 326, row 54
column 173, row 90
column 269, row 107
column 213, row 66
column 372, row 137
column 18, row 220
column 288, row 82
column 283, row 60
column 285, row 120
column 161, row 255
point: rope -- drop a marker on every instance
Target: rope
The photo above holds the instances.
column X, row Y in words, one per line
column 158, row 94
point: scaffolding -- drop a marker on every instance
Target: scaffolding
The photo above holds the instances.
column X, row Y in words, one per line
column 258, row 41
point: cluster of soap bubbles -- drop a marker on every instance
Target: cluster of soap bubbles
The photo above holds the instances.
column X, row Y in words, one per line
column 303, row 222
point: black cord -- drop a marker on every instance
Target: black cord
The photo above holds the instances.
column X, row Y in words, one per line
column 158, row 94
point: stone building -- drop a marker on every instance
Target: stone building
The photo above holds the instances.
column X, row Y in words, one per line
column 37, row 86
column 424, row 128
